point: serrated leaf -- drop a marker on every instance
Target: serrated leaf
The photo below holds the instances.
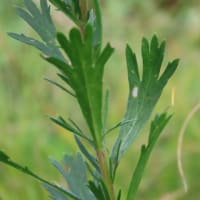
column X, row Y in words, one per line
column 41, row 22
column 144, row 92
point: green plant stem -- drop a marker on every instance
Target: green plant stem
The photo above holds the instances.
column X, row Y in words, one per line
column 137, row 175
column 105, row 173
column 84, row 10
column 156, row 128
column 25, row 170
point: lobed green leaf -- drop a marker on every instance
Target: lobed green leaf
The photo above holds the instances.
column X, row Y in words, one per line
column 144, row 93
column 73, row 169
column 87, row 76
column 41, row 21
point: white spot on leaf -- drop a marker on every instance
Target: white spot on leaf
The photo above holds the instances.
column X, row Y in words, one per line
column 135, row 92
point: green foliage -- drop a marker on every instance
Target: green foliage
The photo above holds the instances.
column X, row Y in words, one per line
column 157, row 126
column 80, row 60
column 56, row 189
column 144, row 91
column 42, row 23
column 75, row 176
column 87, row 66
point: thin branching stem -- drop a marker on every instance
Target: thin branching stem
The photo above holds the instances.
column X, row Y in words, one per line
column 180, row 144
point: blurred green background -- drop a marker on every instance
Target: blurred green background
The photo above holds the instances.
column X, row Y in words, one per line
column 26, row 99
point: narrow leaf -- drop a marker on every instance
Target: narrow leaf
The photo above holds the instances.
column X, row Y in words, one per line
column 170, row 69
column 103, row 58
column 133, row 73
column 98, row 28
column 105, row 111
column 85, row 152
column 60, row 121
column 60, row 86
column 48, row 50
column 6, row 160
column 96, row 191
column 119, row 195
column 62, row 66
column 157, row 126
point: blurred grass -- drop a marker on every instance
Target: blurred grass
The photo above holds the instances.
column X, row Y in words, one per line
column 25, row 99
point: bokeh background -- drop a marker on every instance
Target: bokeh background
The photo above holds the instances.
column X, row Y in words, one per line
column 26, row 99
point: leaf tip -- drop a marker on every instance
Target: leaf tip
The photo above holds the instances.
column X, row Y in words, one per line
column 3, row 156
